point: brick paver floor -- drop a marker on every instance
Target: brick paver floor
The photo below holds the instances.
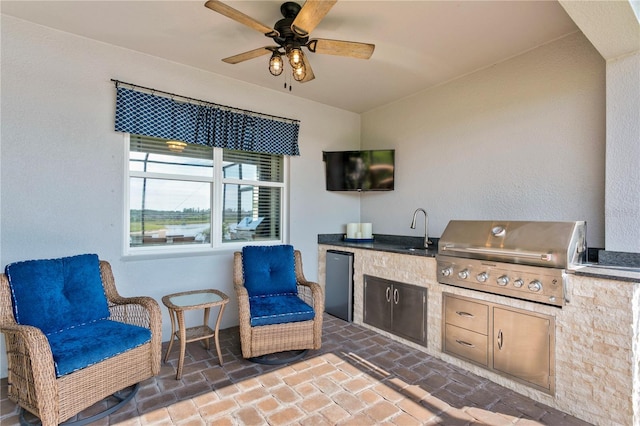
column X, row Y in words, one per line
column 357, row 378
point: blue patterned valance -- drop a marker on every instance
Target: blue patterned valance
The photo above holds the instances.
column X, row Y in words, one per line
column 158, row 116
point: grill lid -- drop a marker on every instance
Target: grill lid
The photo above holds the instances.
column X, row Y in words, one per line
column 549, row 244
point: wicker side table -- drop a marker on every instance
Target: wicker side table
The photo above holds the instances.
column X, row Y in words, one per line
column 177, row 303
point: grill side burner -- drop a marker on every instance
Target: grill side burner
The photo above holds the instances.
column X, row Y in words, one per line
column 525, row 260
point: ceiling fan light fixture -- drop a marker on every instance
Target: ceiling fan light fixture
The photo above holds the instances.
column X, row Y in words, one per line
column 276, row 64
column 300, row 72
column 291, row 34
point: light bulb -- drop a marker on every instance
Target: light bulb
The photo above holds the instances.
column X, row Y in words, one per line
column 276, row 64
column 299, row 73
column 176, row 146
column 295, row 57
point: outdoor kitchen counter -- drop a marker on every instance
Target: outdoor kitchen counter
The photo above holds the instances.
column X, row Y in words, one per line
column 617, row 273
column 595, row 355
column 400, row 244
column 412, row 246
column 613, row 265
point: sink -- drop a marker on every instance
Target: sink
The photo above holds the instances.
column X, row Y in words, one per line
column 415, row 248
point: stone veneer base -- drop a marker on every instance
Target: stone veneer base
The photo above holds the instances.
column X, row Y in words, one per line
column 597, row 334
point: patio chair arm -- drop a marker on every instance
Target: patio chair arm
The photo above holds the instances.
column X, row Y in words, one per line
column 32, row 373
column 312, row 294
column 316, row 296
column 142, row 311
column 145, row 312
column 243, row 303
column 244, row 316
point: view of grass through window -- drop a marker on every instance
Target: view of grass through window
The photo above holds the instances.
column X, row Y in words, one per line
column 176, row 197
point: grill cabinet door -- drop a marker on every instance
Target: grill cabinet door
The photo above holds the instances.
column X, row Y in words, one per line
column 522, row 346
column 377, row 302
column 408, row 312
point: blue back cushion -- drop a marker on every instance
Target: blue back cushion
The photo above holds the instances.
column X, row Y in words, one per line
column 54, row 294
column 269, row 270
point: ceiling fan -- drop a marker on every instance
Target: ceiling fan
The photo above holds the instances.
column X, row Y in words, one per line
column 291, row 34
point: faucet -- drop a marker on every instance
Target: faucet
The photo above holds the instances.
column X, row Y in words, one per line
column 426, row 225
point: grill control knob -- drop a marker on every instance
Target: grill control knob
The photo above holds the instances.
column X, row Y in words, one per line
column 518, row 283
column 446, row 272
column 535, row 285
column 503, row 280
column 464, row 274
column 482, row 277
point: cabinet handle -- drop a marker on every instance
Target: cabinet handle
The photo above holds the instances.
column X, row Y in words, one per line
column 467, row 344
column 499, row 339
column 396, row 296
column 464, row 314
column 388, row 294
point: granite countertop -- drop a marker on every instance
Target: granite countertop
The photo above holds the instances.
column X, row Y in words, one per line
column 413, row 246
column 612, row 272
column 615, row 265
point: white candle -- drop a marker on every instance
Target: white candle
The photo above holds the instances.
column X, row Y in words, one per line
column 352, row 228
column 366, row 229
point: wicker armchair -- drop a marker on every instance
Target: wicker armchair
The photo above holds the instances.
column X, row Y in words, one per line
column 33, row 369
column 284, row 333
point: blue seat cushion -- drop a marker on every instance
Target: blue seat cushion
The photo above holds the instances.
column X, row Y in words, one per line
column 278, row 309
column 269, row 270
column 55, row 294
column 87, row 344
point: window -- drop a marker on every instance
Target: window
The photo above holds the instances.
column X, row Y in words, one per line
column 194, row 197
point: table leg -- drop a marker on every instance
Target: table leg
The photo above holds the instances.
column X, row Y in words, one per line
column 173, row 333
column 206, row 324
column 183, row 342
column 216, row 333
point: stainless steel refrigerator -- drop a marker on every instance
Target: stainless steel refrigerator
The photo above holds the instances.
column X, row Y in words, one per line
column 339, row 284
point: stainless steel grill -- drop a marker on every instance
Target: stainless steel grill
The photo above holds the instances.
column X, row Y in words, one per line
column 522, row 259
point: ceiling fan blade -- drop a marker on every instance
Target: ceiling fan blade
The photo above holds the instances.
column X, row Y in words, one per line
column 310, row 16
column 236, row 15
column 351, row 49
column 241, row 57
column 309, row 72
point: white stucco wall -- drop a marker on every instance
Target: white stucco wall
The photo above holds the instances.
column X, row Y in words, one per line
column 623, row 154
column 62, row 166
column 613, row 27
column 522, row 140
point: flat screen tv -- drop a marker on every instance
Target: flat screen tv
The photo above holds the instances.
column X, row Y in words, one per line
column 371, row 170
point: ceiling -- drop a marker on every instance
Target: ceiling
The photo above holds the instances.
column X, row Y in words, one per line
column 419, row 44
